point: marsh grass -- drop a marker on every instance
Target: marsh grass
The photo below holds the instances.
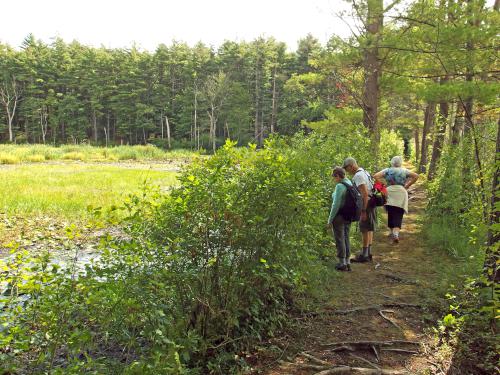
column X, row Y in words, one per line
column 66, row 190
column 14, row 154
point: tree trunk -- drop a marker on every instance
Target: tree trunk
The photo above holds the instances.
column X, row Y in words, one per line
column 273, row 109
column 430, row 114
column 262, row 128
column 456, row 131
column 94, row 122
column 107, row 130
column 371, row 64
column 161, row 124
column 416, row 134
column 492, row 257
column 168, row 132
column 257, row 107
column 468, row 104
column 43, row 124
column 10, row 98
column 63, row 132
column 213, row 127
column 105, row 136
column 439, row 136
column 195, row 131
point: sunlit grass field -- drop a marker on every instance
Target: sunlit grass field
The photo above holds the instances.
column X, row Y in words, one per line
column 65, row 190
column 14, row 154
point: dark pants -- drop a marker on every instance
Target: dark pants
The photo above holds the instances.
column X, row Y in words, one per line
column 341, row 230
column 394, row 216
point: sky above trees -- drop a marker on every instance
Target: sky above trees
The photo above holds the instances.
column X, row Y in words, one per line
column 147, row 23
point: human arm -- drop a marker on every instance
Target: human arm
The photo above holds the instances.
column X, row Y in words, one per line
column 363, row 190
column 411, row 179
column 379, row 176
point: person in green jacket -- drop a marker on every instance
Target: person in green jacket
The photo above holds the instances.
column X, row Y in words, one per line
column 340, row 226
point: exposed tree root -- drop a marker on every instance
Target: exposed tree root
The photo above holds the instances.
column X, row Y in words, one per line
column 381, row 313
column 342, row 348
column 368, row 344
column 375, row 351
column 313, row 314
column 314, row 359
column 399, row 279
column 374, row 307
column 326, row 368
column 364, row 360
column 360, row 370
column 399, row 350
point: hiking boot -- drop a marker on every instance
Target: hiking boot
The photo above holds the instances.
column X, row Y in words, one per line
column 361, row 259
column 342, row 267
column 395, row 239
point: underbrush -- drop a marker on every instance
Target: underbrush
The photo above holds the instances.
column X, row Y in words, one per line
column 441, row 234
column 205, row 273
column 469, row 328
column 458, row 223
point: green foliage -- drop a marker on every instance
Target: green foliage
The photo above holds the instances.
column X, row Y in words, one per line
column 71, row 93
column 457, row 222
column 204, row 272
column 467, row 325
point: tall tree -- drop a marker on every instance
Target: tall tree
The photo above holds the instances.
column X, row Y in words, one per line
column 372, row 72
column 11, row 87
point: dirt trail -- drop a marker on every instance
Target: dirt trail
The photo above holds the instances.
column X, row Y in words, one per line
column 378, row 302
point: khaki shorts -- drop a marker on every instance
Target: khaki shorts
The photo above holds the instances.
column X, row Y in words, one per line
column 371, row 219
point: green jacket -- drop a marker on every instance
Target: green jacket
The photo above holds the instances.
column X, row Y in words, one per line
column 338, row 199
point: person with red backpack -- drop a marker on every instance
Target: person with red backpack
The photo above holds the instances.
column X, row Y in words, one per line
column 346, row 208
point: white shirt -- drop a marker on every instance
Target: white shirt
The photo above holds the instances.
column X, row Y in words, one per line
column 361, row 178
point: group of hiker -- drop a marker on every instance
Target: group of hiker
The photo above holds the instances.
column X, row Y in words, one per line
column 356, row 200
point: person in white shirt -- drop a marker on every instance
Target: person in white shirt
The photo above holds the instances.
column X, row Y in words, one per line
column 364, row 183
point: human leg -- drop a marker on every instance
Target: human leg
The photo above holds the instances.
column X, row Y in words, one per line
column 372, row 218
column 339, row 235
column 347, row 229
column 397, row 222
column 370, row 236
column 390, row 219
column 366, row 228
